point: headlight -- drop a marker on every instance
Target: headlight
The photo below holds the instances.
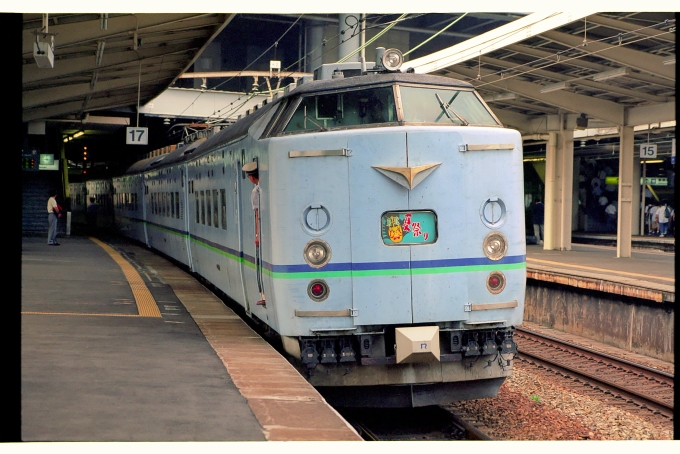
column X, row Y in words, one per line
column 392, row 59
column 317, row 253
column 495, row 246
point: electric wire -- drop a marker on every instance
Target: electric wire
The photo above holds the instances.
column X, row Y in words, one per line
column 559, row 60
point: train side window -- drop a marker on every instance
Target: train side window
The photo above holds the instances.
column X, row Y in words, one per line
column 203, row 207
column 172, row 204
column 209, row 207
column 198, row 208
column 177, row 205
column 216, row 210
column 223, row 198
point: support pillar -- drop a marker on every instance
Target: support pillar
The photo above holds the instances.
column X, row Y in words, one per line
column 314, row 45
column 559, row 185
column 551, row 197
column 625, row 206
column 638, row 202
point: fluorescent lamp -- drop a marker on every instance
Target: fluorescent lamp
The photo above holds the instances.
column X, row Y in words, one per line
column 78, row 134
column 555, row 87
column 611, row 74
column 669, row 60
column 501, row 97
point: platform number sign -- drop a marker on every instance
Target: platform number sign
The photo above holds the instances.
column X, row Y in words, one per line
column 647, row 151
column 137, row 136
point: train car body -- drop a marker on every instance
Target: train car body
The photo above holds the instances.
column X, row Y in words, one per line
column 391, row 257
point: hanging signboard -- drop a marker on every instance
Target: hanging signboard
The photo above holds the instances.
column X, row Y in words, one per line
column 648, row 151
column 137, row 136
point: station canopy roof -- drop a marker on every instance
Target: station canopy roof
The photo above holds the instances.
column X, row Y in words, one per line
column 612, row 67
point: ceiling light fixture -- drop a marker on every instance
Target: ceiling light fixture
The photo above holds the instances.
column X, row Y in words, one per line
column 555, row 87
column 501, row 97
column 611, row 74
column 669, row 60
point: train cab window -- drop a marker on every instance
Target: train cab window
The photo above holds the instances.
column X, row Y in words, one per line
column 354, row 108
column 444, row 106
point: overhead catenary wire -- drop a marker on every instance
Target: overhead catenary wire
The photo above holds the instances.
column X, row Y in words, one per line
column 560, row 60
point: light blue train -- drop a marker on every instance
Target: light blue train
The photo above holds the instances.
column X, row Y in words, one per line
column 391, row 258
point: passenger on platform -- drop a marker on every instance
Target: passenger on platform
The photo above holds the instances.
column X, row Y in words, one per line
column 53, row 214
column 537, row 215
column 253, row 175
column 653, row 213
column 92, row 210
column 663, row 213
column 648, row 218
column 610, row 213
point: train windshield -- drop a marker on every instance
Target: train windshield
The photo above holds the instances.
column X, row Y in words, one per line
column 343, row 109
column 444, row 106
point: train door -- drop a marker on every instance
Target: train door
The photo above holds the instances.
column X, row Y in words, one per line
column 185, row 213
column 440, row 200
column 381, row 281
column 242, row 223
column 145, row 208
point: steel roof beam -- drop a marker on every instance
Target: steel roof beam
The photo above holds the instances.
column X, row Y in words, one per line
column 630, row 28
column 572, row 102
column 114, row 61
column 122, row 26
column 513, row 32
column 642, row 61
column 650, row 114
column 581, row 63
column 579, row 80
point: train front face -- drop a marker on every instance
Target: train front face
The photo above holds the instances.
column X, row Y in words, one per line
column 411, row 203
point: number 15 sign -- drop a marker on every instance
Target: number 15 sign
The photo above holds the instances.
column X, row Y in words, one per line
column 648, row 151
column 136, row 136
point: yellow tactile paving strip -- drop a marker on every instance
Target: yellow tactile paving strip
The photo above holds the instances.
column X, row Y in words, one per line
column 284, row 403
column 146, row 304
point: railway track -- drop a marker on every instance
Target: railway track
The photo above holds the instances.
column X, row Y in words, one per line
column 412, row 424
column 645, row 390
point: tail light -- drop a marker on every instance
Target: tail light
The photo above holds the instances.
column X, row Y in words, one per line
column 318, row 290
column 495, row 282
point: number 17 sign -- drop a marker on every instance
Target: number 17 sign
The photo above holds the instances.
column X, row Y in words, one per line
column 136, row 136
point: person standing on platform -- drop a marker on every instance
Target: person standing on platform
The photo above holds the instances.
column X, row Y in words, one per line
column 53, row 214
column 654, row 214
column 253, row 175
column 537, row 215
column 610, row 213
column 664, row 215
column 92, row 209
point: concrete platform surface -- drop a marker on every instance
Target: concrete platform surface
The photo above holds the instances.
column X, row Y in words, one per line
column 117, row 344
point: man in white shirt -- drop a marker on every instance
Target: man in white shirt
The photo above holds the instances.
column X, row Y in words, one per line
column 253, row 175
column 52, row 216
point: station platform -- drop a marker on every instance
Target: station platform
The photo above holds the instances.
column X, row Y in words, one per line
column 648, row 274
column 119, row 345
